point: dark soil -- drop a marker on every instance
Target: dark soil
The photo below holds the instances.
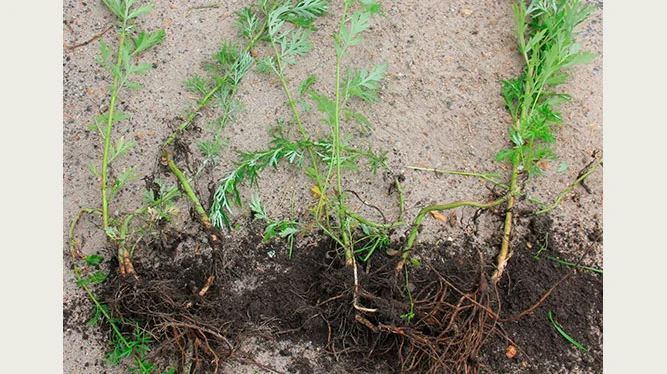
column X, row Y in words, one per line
column 575, row 303
column 256, row 292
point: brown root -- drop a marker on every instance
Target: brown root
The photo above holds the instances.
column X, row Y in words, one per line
column 445, row 333
column 450, row 329
column 198, row 343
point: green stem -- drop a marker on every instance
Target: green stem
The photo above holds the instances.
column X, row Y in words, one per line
column 366, row 222
column 107, row 136
column 336, row 139
column 295, row 112
column 515, row 190
column 570, row 188
column 566, row 263
column 487, row 177
column 185, row 184
column 411, row 314
column 122, row 249
column 126, row 223
column 349, row 254
column 401, row 199
column 332, row 236
column 405, row 253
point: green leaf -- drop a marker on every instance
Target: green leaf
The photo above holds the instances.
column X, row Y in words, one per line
column 352, row 35
column 256, row 207
column 104, row 59
column 141, row 68
column 505, row 154
column 120, row 148
column 371, row 6
column 94, row 260
column 309, row 9
column 519, row 8
column 97, row 315
column 125, row 51
column 95, row 127
column 133, row 85
column 247, row 22
column 145, row 41
column 248, row 170
column 287, row 231
column 241, row 67
column 516, row 137
column 149, row 197
column 210, row 149
column 102, row 120
column 304, row 105
column 115, row 7
column 377, row 161
column 127, row 176
column 580, row 58
column 305, row 85
column 225, row 58
column 276, row 19
column 365, row 84
column 93, row 169
column 534, row 41
column 294, row 43
column 513, row 94
column 270, row 231
column 95, row 278
column 360, row 119
column 140, row 12
column 325, row 106
column 267, row 65
column 304, row 13
column 119, row 116
column 197, row 84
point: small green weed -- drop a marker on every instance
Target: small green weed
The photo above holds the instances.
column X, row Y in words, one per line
column 288, row 43
column 289, row 28
column 124, row 233
column 135, row 346
column 123, row 65
column 546, row 36
column 563, row 262
column 286, row 228
column 229, row 66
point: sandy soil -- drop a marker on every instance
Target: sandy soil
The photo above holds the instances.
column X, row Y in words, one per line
column 440, row 107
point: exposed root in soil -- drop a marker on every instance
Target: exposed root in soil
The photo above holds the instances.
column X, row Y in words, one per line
column 441, row 331
column 442, row 318
column 450, row 329
column 175, row 311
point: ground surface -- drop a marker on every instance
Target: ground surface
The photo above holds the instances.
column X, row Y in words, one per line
column 440, row 107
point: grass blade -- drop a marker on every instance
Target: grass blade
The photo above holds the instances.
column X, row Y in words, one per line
column 565, row 335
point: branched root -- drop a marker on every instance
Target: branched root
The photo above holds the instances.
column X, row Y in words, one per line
column 355, row 298
column 200, row 344
column 450, row 329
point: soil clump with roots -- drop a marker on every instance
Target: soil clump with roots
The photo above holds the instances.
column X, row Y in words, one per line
column 204, row 306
